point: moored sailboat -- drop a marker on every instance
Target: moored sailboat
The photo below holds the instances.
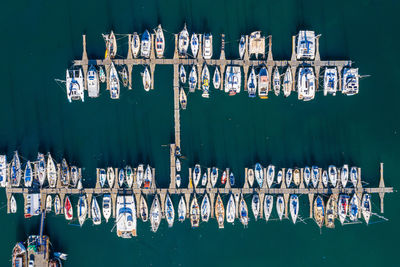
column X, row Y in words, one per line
column 194, row 213
column 287, row 84
column 145, row 44
column 217, row 78
column 28, row 175
column 280, row 206
column 294, row 207
column 51, row 172
column 205, row 208
column 135, row 45
column 183, row 42
column 319, row 211
column 143, row 209
column 41, row 169
column 230, row 210
column 276, row 81
column 219, row 212
column 205, row 82
column 146, row 79
column 243, row 212
column 159, row 42
column 366, row 207
column 114, row 82
column 252, row 83
column 110, row 177
column 106, row 207
column 207, row 46
column 182, row 209
column 93, row 84
column 82, row 209
column 68, row 212
column 194, row 44
column 169, row 211
column 263, row 86
column 193, row 79
column 96, row 213
column 255, row 205
column 331, row 211
column 155, row 214
column 259, row 174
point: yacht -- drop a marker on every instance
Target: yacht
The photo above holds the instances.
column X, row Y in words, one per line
column 51, row 172
column 232, row 80
column 82, row 209
column 330, row 81
column 41, row 171
column 96, row 212
column 194, row 213
column 182, row 98
column 294, row 207
column 205, row 209
column 194, row 44
column 145, row 44
column 219, row 212
column 114, row 82
column 217, row 78
column 111, row 45
column 252, row 83
column 135, row 45
column 183, row 42
column 148, row 177
column 350, row 81
column 268, row 205
column 256, row 44
column 263, row 83
column 106, row 206
column 146, row 79
column 242, row 46
column 306, row 84
column 306, row 45
column 207, row 46
column 205, row 82
column 75, row 85
column 287, row 84
column 159, row 42
column 255, row 205
column 126, row 216
column 276, row 81
column 169, row 211
column 182, row 209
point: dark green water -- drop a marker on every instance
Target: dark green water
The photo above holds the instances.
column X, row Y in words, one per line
column 39, row 40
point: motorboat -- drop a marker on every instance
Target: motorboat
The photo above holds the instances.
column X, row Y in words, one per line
column 193, row 78
column 344, row 175
column 354, row 208
column 331, row 211
column 41, row 169
column 82, row 209
column 333, row 175
column 196, row 174
column 366, row 207
column 182, row 74
column 287, row 85
column 350, row 81
column 74, row 176
column 146, row 79
column 182, row 98
column 51, row 172
column 280, row 206
column 214, row 176
column 294, row 207
column 96, row 212
column 263, row 82
column 93, row 83
column 259, row 174
column 148, row 177
column 252, row 83
column 28, row 174
column 75, row 85
column 219, row 212
column 307, row 176
column 205, row 209
column 110, row 177
column 126, row 216
column 121, row 177
column 111, row 45
column 143, row 209
column 330, row 81
column 306, row 84
column 159, row 42
column 243, row 212
column 319, row 211
column 194, row 213
column 230, row 210
column 217, row 78
column 296, row 177
column 20, row 256
column 64, row 177
column 268, row 205
column 68, row 212
column 155, row 214
column 270, row 175
column 289, row 177
column 343, row 207
column 207, row 46
column 232, row 80
column 169, row 211
column 276, row 81
column 255, row 205
column 13, row 204
column 250, row 176
column 306, row 45
column 182, row 209
column 194, row 44
column 178, row 180
column 140, row 175
column 205, row 81
column 114, row 82
column 183, row 42
column 178, row 165
column 354, row 176
column 135, row 45
column 242, row 46
column 129, row 176
column 106, row 206
column 315, row 176
column 145, row 44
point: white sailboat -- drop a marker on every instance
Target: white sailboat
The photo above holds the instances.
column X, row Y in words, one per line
column 315, row 176
column 155, row 214
column 169, row 211
column 28, row 174
column 205, row 209
column 307, row 176
column 268, row 205
column 196, row 175
column 182, row 209
column 183, row 42
column 325, row 178
column 294, row 207
column 194, row 213
column 217, row 78
column 182, row 74
column 143, row 209
column 93, row 83
column 146, row 79
column 114, row 82
column 159, row 42
column 182, row 99
column 232, row 80
column 207, row 46
column 255, row 206
column 270, row 175
column 194, row 44
column 243, row 212
column 219, row 212
column 205, row 82
column 57, row 205
column 135, row 45
column 354, row 208
column 41, row 169
column 193, row 79
column 343, row 207
column 13, row 204
column 96, row 212
column 252, row 83
column 250, row 176
column 145, row 44
column 214, row 176
column 126, row 216
column 110, row 177
column 305, row 45
column 366, row 207
column 287, row 84
column 75, row 85
column 354, row 176
column 140, row 175
column 333, row 175
column 259, row 174
column 129, row 176
column 289, row 177
column 230, row 210
column 344, row 175
column 51, row 172
column 106, row 207
column 350, row 81
column 242, row 46
column 276, row 81
column 82, row 209
column 280, row 207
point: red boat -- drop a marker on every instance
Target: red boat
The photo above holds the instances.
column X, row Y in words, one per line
column 223, row 178
column 68, row 209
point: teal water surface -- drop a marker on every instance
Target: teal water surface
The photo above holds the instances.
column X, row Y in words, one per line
column 41, row 38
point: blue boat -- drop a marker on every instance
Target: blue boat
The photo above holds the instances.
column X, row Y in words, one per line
column 232, row 179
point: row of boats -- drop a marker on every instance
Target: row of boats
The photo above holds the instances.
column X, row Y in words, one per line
column 36, row 173
column 343, row 206
column 140, row 177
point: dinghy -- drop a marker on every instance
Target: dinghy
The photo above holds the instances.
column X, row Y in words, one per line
column 319, row 211
column 344, row 175
column 82, row 209
column 296, row 177
column 217, row 78
column 93, row 84
column 294, row 207
column 204, row 179
column 169, row 211
column 242, row 46
column 279, row 177
column 110, row 177
column 148, row 177
column 205, row 208
column 219, row 212
column 366, row 207
column 146, row 79
column 280, row 206
column 331, row 211
column 64, row 173
column 223, row 177
column 106, row 207
column 214, row 176
column 111, row 45
column 325, row 178
column 196, row 174
column 333, row 176
column 51, row 172
column 13, row 204
column 252, row 83
column 124, row 76
column 263, row 86
column 259, row 174
column 231, row 179
column 182, row 74
column 330, row 81
column 193, row 79
column 194, row 44
column 250, row 176
column 268, row 205
column 307, row 176
column 255, row 205
column 270, row 175
column 287, row 82
column 354, row 176
column 129, row 176
column 41, row 169
column 182, row 98
column 121, row 177
column 68, row 212
column 49, row 203
column 74, row 83
column 57, row 205
column 143, row 209
column 194, row 213
column 314, row 176
column 140, row 175
column 102, row 74
column 74, row 176
column 155, row 214
column 15, row 170
column 183, row 42
column 28, row 177
column 145, row 44
column 289, row 177
column 207, row 46
column 182, row 209
column 114, row 82
column 243, row 212
column 276, row 81
column 135, row 45
column 178, row 180
column 343, row 207
column 96, row 213
column 354, row 208
column 159, row 42
column 205, row 82
column 230, row 210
